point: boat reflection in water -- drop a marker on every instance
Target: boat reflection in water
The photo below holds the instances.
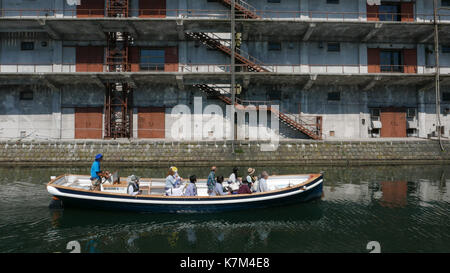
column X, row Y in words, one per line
column 135, row 232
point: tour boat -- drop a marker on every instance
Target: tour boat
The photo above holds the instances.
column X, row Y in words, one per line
column 75, row 191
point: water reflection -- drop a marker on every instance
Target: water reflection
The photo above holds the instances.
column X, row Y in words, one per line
column 405, row 208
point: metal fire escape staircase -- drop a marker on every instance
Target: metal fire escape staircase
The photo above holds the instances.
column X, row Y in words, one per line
column 242, row 7
column 118, row 97
column 213, row 41
column 311, row 129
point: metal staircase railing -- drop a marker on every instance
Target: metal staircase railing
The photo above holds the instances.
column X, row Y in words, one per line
column 241, row 6
column 311, row 129
column 214, row 41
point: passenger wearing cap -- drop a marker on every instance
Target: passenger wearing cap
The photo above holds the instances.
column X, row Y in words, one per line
column 96, row 173
column 178, row 179
column 171, row 181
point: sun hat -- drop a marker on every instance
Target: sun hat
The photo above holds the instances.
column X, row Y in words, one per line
column 251, row 171
column 98, row 156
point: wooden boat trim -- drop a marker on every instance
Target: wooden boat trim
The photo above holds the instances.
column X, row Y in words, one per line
column 311, row 178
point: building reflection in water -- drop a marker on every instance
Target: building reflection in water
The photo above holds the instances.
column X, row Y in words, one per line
column 394, row 193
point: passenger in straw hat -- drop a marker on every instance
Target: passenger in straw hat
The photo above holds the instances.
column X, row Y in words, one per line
column 250, row 176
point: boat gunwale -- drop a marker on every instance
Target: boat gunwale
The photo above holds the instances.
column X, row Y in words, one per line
column 312, row 177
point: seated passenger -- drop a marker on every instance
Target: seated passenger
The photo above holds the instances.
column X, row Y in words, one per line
column 171, row 182
column 244, row 188
column 233, row 183
column 191, row 188
column 178, row 178
column 262, row 184
column 218, row 189
column 133, row 186
column 250, row 177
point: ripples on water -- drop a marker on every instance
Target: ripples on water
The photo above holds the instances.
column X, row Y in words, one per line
column 405, row 208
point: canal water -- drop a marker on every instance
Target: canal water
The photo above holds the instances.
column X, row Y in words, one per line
column 400, row 208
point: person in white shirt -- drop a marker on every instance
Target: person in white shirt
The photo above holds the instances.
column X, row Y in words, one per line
column 233, row 182
column 262, row 184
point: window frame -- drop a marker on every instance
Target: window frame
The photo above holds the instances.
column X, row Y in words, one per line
column 398, row 68
column 147, row 66
column 25, row 48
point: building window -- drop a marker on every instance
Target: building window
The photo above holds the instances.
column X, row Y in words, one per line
column 375, row 114
column 411, row 113
column 334, row 96
column 389, row 12
column 274, row 46
column 26, row 95
column 446, row 49
column 445, row 3
column 334, row 47
column 152, row 59
column 446, row 96
column 27, row 46
column 273, row 1
column 332, row 1
column 391, row 61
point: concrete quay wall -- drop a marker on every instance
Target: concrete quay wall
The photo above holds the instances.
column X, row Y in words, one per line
column 223, row 153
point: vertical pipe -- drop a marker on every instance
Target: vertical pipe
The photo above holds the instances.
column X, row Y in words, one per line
column 437, row 76
column 232, row 69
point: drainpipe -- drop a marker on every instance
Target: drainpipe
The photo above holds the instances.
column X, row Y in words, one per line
column 232, row 70
column 437, row 75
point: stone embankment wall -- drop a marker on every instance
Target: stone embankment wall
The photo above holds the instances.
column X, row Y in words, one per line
column 160, row 153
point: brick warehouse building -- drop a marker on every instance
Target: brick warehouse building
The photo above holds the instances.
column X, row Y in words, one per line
column 338, row 69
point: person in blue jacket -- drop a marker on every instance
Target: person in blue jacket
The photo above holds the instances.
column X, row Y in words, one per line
column 96, row 173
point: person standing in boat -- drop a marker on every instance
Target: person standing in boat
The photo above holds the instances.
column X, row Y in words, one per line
column 191, row 188
column 211, row 182
column 96, row 173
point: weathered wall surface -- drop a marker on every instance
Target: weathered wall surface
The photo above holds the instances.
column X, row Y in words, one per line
column 221, row 153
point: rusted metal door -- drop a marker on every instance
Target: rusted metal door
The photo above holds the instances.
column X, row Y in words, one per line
column 393, row 122
column 373, row 60
column 90, row 58
column 407, row 12
column 171, row 59
column 134, row 59
column 372, row 13
column 88, row 122
column 410, row 60
column 152, row 8
column 91, row 8
column 151, row 122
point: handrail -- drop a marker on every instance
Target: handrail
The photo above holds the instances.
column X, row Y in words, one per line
column 214, row 68
column 263, row 14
